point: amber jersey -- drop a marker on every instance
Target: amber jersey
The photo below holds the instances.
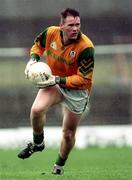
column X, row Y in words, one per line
column 74, row 62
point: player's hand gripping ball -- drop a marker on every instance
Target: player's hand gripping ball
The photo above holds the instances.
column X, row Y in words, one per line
column 39, row 72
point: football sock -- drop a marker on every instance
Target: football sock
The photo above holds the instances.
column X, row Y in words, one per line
column 38, row 138
column 60, row 161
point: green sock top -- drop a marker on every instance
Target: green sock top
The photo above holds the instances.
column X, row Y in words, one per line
column 38, row 138
column 60, row 161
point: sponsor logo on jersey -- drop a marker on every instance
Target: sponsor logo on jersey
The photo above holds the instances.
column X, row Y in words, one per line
column 59, row 58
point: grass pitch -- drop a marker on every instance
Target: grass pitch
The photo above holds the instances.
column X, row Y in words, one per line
column 88, row 164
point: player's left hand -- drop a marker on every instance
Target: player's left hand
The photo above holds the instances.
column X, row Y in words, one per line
column 50, row 82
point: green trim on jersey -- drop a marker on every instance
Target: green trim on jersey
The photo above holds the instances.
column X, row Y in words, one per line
column 42, row 38
column 86, row 61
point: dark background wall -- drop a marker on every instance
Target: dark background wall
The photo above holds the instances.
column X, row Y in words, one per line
column 107, row 106
column 103, row 21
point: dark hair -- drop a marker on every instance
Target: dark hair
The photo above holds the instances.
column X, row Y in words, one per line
column 69, row 12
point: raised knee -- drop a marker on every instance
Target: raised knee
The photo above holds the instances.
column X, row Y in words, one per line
column 35, row 111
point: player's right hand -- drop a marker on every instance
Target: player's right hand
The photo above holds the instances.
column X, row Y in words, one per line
column 29, row 64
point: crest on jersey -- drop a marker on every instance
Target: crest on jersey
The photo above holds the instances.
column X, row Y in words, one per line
column 72, row 53
column 53, row 45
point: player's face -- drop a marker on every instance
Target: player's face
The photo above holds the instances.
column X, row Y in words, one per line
column 71, row 27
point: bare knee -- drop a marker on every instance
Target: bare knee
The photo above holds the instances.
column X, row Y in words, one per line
column 68, row 135
column 36, row 112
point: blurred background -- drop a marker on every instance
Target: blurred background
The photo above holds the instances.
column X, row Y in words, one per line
column 108, row 23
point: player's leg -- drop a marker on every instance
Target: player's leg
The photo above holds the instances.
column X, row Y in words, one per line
column 70, row 123
column 44, row 99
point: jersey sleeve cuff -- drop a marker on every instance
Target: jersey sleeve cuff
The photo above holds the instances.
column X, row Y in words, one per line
column 35, row 56
column 62, row 80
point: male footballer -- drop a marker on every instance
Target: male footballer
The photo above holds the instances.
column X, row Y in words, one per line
column 70, row 55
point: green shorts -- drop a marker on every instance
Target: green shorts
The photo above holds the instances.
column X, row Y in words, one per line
column 75, row 100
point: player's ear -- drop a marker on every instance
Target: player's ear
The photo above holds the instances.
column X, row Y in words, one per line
column 61, row 24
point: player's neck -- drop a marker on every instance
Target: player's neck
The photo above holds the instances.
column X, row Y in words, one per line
column 65, row 39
